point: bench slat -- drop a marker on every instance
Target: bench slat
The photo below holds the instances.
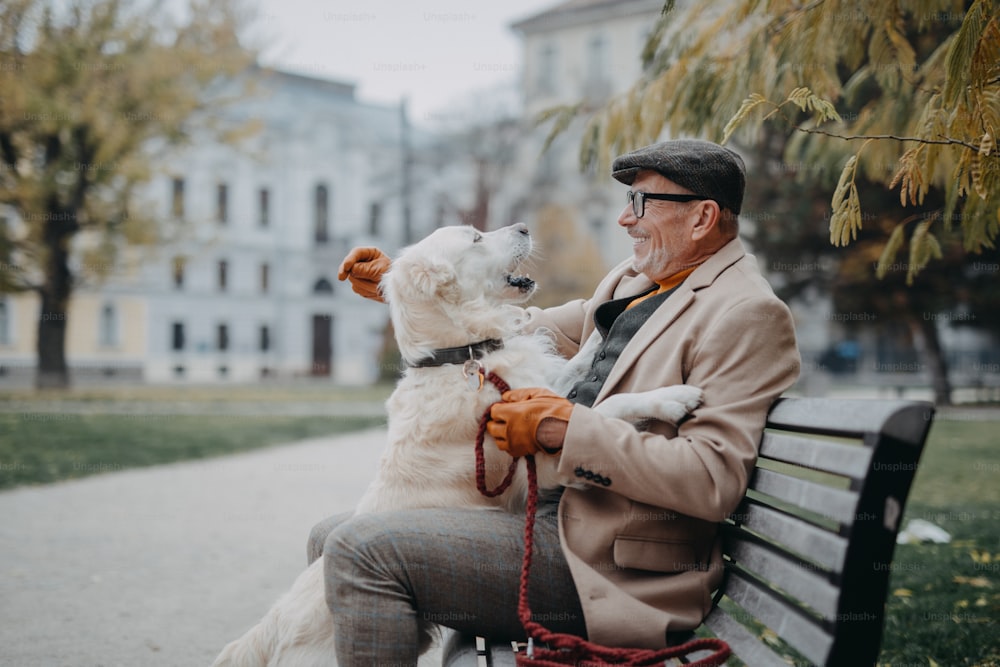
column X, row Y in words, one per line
column 811, row 542
column 750, row 649
column 786, row 620
column 828, row 502
column 900, row 419
column 790, row 576
column 833, row 457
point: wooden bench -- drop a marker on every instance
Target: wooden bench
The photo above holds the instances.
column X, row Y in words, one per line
column 808, row 552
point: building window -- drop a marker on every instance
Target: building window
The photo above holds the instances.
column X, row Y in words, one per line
column 322, row 214
column 222, row 203
column 222, row 337
column 545, row 79
column 4, row 323
column 264, row 207
column 179, row 264
column 108, row 334
column 177, row 197
column 265, row 338
column 598, row 65
column 177, row 343
column 265, row 278
column 223, row 275
column 374, row 218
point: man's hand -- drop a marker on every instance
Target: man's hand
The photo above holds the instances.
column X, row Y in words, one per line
column 364, row 267
column 529, row 420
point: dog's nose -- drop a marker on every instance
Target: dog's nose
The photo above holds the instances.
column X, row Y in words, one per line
column 521, row 228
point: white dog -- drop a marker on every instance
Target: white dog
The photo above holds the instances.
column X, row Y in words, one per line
column 452, row 303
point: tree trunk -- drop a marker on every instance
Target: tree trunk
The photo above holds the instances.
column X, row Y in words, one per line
column 932, row 354
column 52, row 371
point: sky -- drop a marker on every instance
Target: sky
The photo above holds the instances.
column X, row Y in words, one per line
column 438, row 54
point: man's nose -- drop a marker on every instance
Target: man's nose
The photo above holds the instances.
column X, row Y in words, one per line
column 627, row 217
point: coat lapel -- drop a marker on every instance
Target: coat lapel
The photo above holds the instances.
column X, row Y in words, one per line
column 670, row 310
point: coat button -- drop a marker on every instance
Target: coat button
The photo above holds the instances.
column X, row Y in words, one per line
column 599, row 479
column 578, row 471
column 602, row 355
column 589, row 474
column 571, row 394
column 606, row 481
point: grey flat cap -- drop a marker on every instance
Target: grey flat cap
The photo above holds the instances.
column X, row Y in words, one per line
column 704, row 168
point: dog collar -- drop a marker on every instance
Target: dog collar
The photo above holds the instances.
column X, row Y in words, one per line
column 459, row 355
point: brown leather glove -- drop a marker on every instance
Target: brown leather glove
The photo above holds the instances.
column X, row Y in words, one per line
column 514, row 422
column 364, row 267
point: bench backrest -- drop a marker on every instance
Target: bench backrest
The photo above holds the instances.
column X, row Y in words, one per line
column 808, row 552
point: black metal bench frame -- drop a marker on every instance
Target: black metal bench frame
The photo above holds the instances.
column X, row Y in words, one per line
column 808, row 553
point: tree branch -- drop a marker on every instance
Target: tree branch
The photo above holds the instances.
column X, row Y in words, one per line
column 946, row 140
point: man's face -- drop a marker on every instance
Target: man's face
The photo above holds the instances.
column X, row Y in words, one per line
column 662, row 243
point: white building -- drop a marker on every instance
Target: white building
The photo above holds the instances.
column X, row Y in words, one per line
column 254, row 292
column 248, row 287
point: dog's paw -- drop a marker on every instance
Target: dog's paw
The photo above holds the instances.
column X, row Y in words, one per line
column 671, row 411
column 689, row 396
column 669, row 404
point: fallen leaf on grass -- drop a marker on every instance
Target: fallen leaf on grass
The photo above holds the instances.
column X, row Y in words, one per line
column 903, row 593
column 978, row 582
column 983, row 557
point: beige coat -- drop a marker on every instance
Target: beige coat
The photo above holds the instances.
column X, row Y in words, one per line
column 643, row 548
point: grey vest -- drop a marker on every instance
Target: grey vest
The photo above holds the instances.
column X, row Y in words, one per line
column 617, row 324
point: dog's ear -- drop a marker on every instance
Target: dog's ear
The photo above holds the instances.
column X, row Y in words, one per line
column 427, row 276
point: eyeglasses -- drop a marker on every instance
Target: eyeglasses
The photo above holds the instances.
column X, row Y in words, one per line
column 638, row 200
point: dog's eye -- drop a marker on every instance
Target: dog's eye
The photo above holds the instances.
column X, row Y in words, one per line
column 477, row 238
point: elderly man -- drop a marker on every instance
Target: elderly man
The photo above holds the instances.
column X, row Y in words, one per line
column 634, row 556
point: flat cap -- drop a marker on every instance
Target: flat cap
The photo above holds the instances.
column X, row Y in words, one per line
column 703, row 167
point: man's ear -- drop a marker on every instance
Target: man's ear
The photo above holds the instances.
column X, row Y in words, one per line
column 709, row 215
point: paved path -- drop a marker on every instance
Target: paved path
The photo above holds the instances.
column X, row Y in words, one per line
column 162, row 566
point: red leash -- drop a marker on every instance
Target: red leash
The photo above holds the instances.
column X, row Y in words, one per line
column 565, row 649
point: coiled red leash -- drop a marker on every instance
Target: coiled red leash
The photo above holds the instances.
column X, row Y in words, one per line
column 564, row 649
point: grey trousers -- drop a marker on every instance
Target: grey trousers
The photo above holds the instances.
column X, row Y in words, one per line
column 388, row 574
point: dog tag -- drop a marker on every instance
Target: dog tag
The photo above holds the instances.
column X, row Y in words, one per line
column 472, row 370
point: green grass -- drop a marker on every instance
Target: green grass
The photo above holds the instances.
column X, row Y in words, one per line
column 277, row 392
column 944, row 599
column 52, row 441
column 39, row 448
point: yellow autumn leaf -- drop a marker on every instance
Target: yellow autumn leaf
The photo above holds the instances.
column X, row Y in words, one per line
column 962, row 604
column 770, row 637
column 983, row 557
column 978, row 582
column 981, row 602
column 902, row 593
column 932, row 662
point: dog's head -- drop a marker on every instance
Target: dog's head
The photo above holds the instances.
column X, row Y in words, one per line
column 455, row 287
